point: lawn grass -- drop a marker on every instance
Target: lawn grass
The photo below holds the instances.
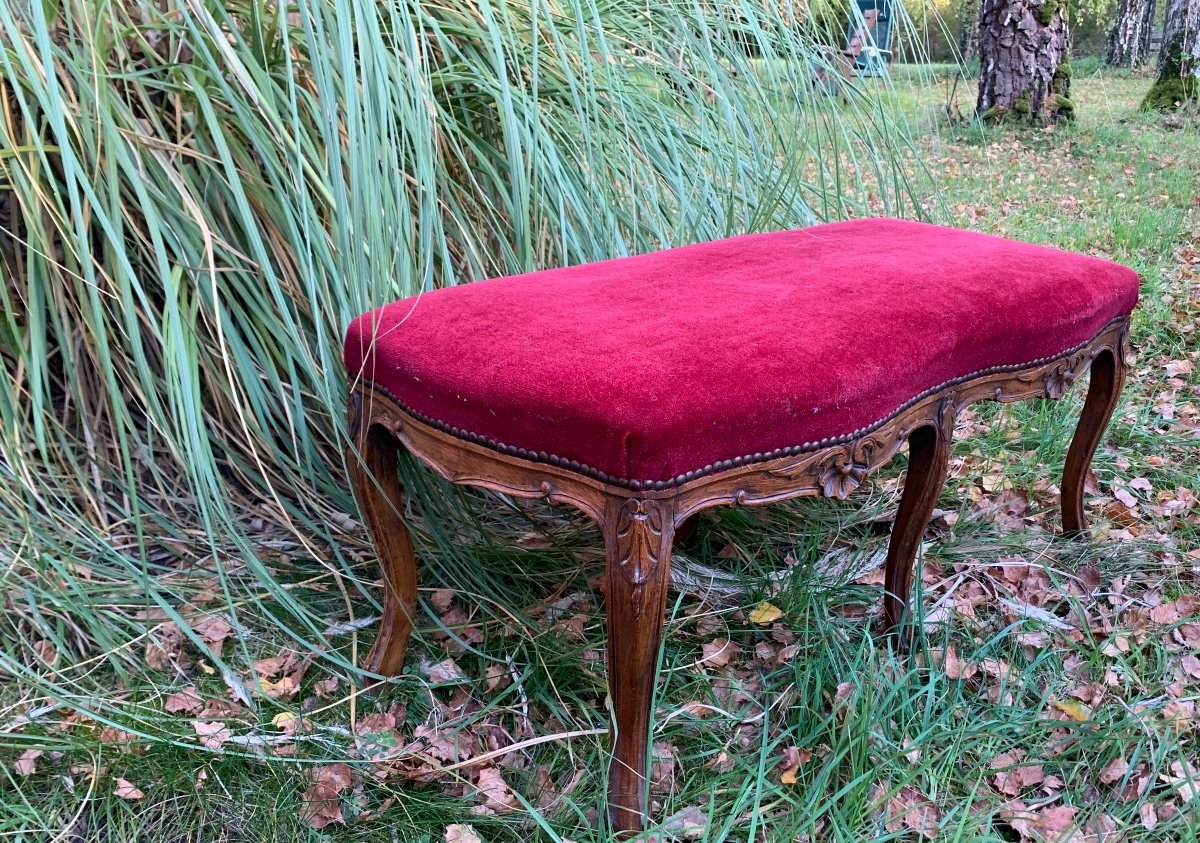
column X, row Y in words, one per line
column 998, row 728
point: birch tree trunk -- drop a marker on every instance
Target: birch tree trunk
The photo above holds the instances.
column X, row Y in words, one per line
column 1129, row 39
column 1024, row 71
column 1179, row 60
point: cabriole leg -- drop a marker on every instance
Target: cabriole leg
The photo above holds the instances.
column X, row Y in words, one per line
column 928, row 452
column 1104, row 388
column 376, row 484
column 637, row 539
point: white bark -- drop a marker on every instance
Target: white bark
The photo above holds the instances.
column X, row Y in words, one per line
column 1129, row 39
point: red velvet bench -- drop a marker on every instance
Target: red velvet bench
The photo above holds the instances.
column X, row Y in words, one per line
column 769, row 366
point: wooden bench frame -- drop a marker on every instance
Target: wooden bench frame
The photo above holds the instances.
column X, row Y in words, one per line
column 640, row 520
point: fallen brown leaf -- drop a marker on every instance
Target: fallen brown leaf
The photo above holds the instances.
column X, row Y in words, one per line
column 211, row 735
column 793, row 758
column 662, row 768
column 125, row 790
column 286, row 722
column 458, row 833
column 213, row 630
column 165, row 648
column 1185, row 781
column 26, row 765
column 1114, row 771
column 1014, row 777
column 717, row 653
column 1054, row 822
column 275, row 665
column 186, row 701
column 496, row 793
column 322, row 799
column 912, row 810
column 441, row 600
column 444, row 671
column 325, row 688
column 951, row 665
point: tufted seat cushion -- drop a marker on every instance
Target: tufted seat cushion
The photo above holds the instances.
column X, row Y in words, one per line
column 648, row 369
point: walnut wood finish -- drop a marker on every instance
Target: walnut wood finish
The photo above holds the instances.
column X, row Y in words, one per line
column 928, row 454
column 373, row 475
column 1104, row 389
column 637, row 549
column 639, row 525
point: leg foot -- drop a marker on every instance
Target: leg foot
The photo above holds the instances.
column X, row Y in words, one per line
column 637, row 538
column 928, row 451
column 372, row 467
column 1104, row 388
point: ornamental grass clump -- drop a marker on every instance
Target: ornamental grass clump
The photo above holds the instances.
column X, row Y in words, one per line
column 196, row 197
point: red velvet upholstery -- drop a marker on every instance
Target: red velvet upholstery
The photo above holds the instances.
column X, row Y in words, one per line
column 651, row 367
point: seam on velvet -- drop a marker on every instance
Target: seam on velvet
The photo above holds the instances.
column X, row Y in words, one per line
column 720, row 465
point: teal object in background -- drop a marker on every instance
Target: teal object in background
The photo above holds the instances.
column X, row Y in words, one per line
column 876, row 49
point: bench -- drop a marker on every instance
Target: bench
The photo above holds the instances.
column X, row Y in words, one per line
column 740, row 372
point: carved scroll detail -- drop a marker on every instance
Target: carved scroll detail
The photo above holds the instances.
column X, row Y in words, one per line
column 835, row 471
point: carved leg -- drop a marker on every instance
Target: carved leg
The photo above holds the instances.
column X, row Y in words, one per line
column 372, row 466
column 637, row 539
column 1104, row 388
column 928, row 451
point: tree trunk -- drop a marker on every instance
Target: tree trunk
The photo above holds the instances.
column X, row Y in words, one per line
column 1129, row 39
column 1179, row 60
column 1024, row 71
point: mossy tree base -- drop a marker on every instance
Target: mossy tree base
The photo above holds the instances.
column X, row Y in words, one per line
column 1022, row 114
column 1179, row 61
column 1170, row 93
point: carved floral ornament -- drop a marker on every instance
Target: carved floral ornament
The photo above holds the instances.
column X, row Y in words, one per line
column 843, row 471
column 1062, row 377
column 1059, row 381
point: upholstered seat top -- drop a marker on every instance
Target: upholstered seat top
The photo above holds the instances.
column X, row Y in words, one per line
column 648, row 369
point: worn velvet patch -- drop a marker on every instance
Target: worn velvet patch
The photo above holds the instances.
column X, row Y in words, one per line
column 648, row 367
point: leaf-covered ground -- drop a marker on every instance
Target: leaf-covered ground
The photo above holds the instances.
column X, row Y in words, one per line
column 1052, row 696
